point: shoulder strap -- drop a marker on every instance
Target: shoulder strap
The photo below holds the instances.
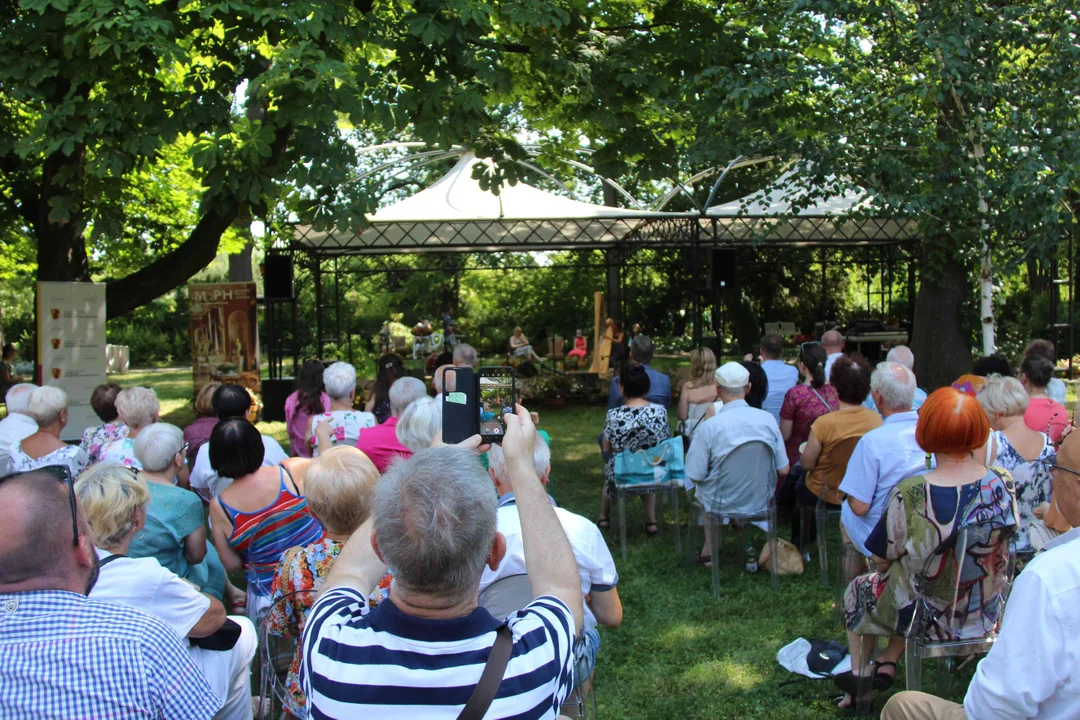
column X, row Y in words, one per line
column 828, row 407
column 491, row 678
column 296, row 490
column 105, row 561
column 703, row 415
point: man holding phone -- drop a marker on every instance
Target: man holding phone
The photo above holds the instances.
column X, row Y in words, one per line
column 434, row 521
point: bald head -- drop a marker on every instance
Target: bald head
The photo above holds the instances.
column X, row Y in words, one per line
column 902, row 355
column 832, row 341
column 36, row 551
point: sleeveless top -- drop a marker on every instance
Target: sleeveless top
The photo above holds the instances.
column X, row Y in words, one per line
column 1032, row 479
column 264, row 535
column 695, row 416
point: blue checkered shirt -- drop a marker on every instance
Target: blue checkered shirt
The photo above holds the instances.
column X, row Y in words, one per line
column 65, row 656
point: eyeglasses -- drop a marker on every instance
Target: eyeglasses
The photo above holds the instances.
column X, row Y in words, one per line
column 63, row 474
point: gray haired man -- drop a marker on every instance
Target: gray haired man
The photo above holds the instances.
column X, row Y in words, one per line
column 422, row 652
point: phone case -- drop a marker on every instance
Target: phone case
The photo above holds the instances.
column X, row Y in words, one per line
column 460, row 409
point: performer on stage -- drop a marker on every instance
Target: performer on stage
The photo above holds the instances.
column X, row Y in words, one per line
column 618, row 345
column 581, row 346
column 520, row 347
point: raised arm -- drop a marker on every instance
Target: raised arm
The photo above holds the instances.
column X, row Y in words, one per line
column 549, row 559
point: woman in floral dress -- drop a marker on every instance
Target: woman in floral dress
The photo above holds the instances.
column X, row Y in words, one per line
column 94, row 439
column 1027, row 454
column 339, row 486
column 48, row 406
column 922, row 512
column 343, row 422
column 138, row 408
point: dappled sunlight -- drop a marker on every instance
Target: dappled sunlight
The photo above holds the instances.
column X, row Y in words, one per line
column 725, row 673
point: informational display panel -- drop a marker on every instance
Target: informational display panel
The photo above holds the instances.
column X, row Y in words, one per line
column 224, row 331
column 71, row 346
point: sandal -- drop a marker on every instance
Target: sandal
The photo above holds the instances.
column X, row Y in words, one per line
column 655, row 529
column 704, row 559
column 603, row 523
column 881, row 680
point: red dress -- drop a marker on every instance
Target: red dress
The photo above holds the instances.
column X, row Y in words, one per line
column 580, row 348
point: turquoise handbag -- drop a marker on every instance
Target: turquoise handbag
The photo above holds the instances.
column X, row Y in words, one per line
column 662, row 464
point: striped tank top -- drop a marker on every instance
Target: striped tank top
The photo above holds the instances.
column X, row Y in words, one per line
column 264, row 535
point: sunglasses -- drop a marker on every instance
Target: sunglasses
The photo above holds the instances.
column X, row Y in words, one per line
column 63, row 474
column 809, row 343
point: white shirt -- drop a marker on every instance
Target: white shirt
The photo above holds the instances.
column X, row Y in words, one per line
column 209, row 484
column 782, row 377
column 15, row 428
column 596, row 567
column 1033, row 670
column 829, row 360
column 142, row 583
column 882, row 458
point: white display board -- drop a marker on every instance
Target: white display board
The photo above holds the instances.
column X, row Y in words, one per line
column 71, row 346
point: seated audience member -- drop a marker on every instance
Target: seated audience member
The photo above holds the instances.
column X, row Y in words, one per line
column 641, row 353
column 884, row 456
column 419, row 653
column 736, row 424
column 260, row 515
column 921, row 513
column 419, row 424
column 782, row 377
column 18, row 424
column 635, row 425
column 969, row 384
column 1027, row 454
column 63, row 655
column 339, row 486
column 197, row 433
column 596, row 567
column 230, row 402
column 174, row 532
column 1055, row 389
column 138, row 408
column 992, row 364
column 759, row 387
column 344, row 423
column 1042, row 414
column 114, row 499
column 807, row 401
column 308, row 400
column 1032, row 671
column 832, row 440
column 381, row 443
column 901, row 355
column 94, row 439
column 49, row 409
column 389, row 369
column 833, row 343
column 465, row 356
column 699, row 392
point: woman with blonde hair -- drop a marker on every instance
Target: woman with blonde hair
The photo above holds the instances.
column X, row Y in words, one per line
column 698, row 393
column 138, row 408
column 197, row 433
column 48, row 406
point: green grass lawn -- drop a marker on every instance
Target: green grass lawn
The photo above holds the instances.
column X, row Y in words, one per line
column 681, row 652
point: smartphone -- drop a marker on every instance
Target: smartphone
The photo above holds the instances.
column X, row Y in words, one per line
column 459, row 416
column 497, row 395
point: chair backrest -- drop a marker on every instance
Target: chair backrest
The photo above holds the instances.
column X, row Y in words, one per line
column 964, row 583
column 746, row 479
column 279, row 636
column 507, row 595
column 556, row 347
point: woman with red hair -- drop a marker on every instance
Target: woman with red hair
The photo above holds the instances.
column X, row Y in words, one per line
column 922, row 512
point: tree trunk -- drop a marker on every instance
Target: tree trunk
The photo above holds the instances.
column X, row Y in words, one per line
column 942, row 351
column 240, row 265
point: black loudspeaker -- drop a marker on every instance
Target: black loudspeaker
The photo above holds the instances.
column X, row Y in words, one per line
column 723, row 268
column 274, row 394
column 278, row 277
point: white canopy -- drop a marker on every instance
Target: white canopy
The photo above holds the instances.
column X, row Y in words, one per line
column 776, row 214
column 455, row 214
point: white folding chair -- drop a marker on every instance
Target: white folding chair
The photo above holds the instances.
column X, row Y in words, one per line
column 277, row 653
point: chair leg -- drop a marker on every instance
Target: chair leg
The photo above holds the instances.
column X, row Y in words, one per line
column 676, row 523
column 774, row 562
column 621, row 499
column 821, row 521
column 691, row 534
column 714, row 550
column 945, row 667
column 805, row 518
column 913, row 663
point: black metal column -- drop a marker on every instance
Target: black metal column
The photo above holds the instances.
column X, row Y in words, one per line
column 613, row 257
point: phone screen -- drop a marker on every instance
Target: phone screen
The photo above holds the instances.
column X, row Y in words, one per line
column 496, row 399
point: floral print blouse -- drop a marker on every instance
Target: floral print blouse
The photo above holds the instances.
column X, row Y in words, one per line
column 345, row 427
column 1032, row 479
column 94, row 439
column 298, row 580
column 122, row 452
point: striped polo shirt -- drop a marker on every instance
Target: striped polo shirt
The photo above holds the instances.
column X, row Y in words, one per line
column 393, row 665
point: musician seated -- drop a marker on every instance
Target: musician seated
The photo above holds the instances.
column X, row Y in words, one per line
column 520, row 347
column 581, row 346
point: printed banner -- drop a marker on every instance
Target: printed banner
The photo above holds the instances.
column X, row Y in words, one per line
column 71, row 346
column 224, row 332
